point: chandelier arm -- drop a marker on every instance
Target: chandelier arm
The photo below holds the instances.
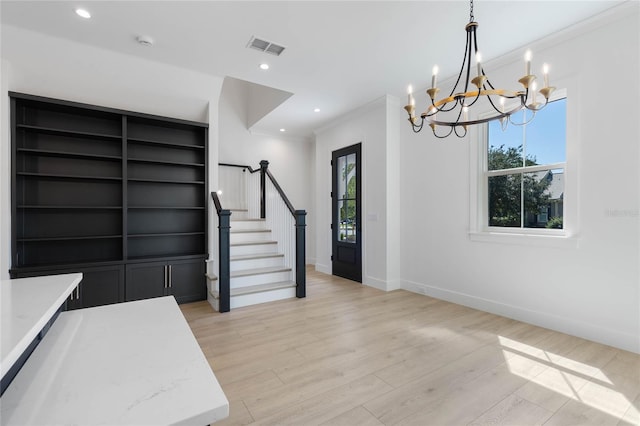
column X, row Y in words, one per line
column 476, row 99
column 468, row 59
column 442, row 108
column 526, row 121
column 494, row 105
column 417, row 128
column 455, row 130
column 441, row 136
column 537, row 108
column 464, row 61
column 475, row 42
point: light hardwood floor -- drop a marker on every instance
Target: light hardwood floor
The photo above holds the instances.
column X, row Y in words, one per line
column 348, row 354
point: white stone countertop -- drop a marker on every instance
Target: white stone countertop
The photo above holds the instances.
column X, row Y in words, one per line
column 134, row 363
column 27, row 305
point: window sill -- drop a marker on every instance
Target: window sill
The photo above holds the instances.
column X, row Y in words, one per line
column 525, row 239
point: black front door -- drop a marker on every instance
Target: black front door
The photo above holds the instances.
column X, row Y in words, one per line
column 346, row 213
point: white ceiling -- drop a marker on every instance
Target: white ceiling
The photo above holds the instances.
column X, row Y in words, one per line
column 339, row 54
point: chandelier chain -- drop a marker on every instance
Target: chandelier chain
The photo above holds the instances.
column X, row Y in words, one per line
column 471, row 17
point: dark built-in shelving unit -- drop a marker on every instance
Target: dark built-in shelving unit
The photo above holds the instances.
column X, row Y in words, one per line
column 108, row 193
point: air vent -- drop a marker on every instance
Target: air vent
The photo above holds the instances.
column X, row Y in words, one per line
column 265, row 46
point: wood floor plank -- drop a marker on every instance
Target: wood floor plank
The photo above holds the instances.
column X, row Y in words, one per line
column 320, row 409
column 348, row 354
column 513, row 411
column 435, row 386
column 467, row 401
column 356, row 416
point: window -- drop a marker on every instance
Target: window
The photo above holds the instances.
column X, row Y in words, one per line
column 524, row 170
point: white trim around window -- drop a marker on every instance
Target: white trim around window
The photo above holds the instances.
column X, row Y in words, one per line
column 479, row 230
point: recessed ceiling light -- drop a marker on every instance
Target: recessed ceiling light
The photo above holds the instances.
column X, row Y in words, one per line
column 282, row 130
column 316, row 110
column 83, row 13
column 264, row 66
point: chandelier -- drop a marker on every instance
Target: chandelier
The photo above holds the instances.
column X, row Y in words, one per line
column 453, row 111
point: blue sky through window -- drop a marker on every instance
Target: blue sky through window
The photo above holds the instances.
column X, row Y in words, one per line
column 545, row 134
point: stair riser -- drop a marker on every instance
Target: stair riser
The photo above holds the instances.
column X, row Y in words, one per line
column 263, row 297
column 250, row 224
column 253, row 249
column 274, row 277
column 249, row 236
column 237, row 215
column 238, row 265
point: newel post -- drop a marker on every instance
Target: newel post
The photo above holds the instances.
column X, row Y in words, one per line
column 223, row 272
column 264, row 164
column 301, row 272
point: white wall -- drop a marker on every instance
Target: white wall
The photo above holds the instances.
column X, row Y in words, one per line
column 376, row 128
column 290, row 160
column 63, row 69
column 588, row 287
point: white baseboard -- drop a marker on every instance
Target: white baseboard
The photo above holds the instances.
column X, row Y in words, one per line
column 325, row 269
column 596, row 333
column 375, row 283
column 381, row 284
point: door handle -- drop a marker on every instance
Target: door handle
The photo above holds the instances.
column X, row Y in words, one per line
column 170, row 283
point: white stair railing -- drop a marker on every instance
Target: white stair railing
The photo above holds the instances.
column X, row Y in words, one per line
column 282, row 225
column 233, row 186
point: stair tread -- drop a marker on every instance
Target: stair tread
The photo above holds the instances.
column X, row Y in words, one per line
column 252, row 243
column 248, row 231
column 256, row 288
column 255, row 256
column 247, row 220
column 259, row 271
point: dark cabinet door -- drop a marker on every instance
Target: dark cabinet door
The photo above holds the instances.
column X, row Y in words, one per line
column 187, row 280
column 101, row 286
column 145, row 280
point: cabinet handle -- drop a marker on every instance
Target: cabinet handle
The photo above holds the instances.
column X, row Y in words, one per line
column 170, row 283
column 78, row 292
column 165, row 276
column 74, row 293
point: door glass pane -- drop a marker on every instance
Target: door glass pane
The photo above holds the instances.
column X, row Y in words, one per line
column 347, row 229
column 342, row 177
column 347, row 177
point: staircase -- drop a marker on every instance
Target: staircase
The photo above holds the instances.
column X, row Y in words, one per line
column 257, row 270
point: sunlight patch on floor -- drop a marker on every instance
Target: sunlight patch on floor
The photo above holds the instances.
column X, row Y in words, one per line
column 581, row 382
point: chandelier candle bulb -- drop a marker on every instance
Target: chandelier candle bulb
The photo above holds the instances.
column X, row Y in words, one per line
column 434, row 76
column 545, row 71
column 527, row 59
column 409, row 94
column 478, row 62
column 534, row 87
